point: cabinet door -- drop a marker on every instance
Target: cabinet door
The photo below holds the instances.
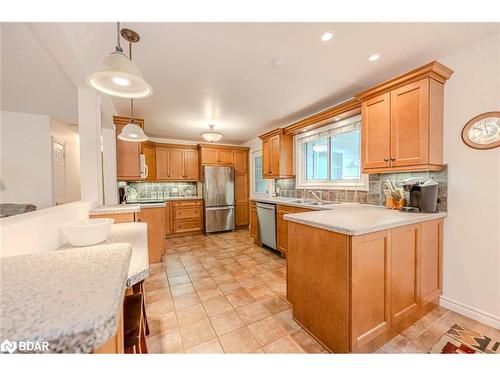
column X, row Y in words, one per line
column 266, row 158
column 209, row 156
column 241, row 214
column 168, row 218
column 281, row 232
column 176, row 164
column 431, row 260
column 149, row 152
column 127, row 158
column 225, row 156
column 371, row 285
column 410, row 124
column 375, row 132
column 404, row 258
column 240, row 188
column 241, row 161
column 253, row 222
column 155, row 218
column 191, row 165
column 275, row 155
column 162, row 163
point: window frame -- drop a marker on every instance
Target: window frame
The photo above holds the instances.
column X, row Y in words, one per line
column 301, row 182
column 256, row 194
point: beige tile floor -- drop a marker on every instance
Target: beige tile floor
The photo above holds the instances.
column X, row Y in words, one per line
column 223, row 294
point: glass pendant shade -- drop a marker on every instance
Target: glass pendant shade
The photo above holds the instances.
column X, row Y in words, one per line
column 119, row 76
column 211, row 135
column 132, row 133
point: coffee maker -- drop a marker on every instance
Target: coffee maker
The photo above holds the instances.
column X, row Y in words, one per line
column 420, row 195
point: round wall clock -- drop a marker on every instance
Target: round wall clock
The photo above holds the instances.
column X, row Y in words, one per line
column 483, row 131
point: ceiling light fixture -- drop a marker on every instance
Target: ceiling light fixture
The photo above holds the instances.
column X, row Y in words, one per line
column 211, row 135
column 374, row 57
column 327, row 36
column 131, row 132
column 118, row 75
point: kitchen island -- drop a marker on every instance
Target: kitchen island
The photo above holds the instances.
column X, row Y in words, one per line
column 358, row 275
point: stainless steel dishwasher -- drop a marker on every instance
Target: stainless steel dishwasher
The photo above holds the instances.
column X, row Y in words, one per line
column 266, row 214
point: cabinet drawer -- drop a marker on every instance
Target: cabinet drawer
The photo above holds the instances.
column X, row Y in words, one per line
column 187, row 212
column 197, row 203
column 187, row 226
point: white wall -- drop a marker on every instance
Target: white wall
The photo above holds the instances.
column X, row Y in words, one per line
column 26, row 175
column 39, row 231
column 69, row 136
column 472, row 229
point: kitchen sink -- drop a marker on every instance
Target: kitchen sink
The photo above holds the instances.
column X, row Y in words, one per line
column 310, row 202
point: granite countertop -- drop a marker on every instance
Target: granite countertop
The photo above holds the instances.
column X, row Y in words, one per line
column 355, row 219
column 115, row 209
column 136, row 235
column 167, row 199
column 70, row 299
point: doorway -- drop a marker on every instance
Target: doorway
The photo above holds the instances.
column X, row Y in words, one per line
column 58, row 171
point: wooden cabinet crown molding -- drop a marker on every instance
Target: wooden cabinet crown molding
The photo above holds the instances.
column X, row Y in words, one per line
column 176, row 145
column 434, row 70
column 272, row 133
column 211, row 145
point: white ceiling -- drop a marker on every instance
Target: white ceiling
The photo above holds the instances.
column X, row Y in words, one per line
column 223, row 72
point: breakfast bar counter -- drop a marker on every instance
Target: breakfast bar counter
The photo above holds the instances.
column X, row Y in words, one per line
column 71, row 300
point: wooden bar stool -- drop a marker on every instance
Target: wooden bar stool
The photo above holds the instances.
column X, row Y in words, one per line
column 132, row 323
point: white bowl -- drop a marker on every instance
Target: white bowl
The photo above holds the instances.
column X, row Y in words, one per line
column 87, row 232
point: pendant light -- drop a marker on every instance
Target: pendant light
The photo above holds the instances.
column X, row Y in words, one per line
column 131, row 132
column 119, row 75
column 211, row 135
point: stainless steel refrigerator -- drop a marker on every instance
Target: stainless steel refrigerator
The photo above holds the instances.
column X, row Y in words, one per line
column 218, row 197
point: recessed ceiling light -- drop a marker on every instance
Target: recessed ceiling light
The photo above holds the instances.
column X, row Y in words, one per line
column 326, row 36
column 374, row 57
column 337, row 118
column 277, row 62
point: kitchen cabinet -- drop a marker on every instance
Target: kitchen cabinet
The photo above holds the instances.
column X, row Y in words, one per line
column 177, row 163
column 187, row 216
column 277, row 154
column 369, row 287
column 241, row 187
column 127, row 153
column 155, row 219
column 281, row 225
column 168, row 218
column 217, row 155
column 148, row 149
column 254, row 222
column 402, row 122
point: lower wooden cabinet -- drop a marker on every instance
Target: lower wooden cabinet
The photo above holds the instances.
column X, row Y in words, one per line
column 241, row 214
column 254, row 222
column 281, row 225
column 168, row 218
column 155, row 219
column 186, row 217
column 369, row 288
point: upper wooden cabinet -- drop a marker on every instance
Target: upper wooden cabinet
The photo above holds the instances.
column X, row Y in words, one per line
column 148, row 149
column 277, row 154
column 402, row 121
column 128, row 166
column 217, row 155
column 177, row 162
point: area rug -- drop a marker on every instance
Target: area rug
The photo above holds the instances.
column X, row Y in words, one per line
column 460, row 340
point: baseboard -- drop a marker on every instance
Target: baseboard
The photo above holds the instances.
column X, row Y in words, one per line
column 471, row 312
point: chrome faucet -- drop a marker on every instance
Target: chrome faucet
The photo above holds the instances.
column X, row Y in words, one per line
column 315, row 195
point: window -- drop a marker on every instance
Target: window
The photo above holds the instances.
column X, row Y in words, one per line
column 259, row 185
column 330, row 157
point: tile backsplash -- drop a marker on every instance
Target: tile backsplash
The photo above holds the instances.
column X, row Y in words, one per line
column 160, row 190
column 375, row 195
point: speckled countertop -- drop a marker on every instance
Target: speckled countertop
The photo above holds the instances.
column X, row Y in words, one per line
column 116, row 209
column 71, row 299
column 355, row 219
column 136, row 235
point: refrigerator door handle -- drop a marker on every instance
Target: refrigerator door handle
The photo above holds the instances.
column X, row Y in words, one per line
column 219, row 208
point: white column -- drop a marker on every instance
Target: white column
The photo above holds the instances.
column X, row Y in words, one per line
column 89, row 120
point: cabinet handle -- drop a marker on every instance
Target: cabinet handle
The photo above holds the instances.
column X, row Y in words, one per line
column 393, row 159
column 386, row 159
